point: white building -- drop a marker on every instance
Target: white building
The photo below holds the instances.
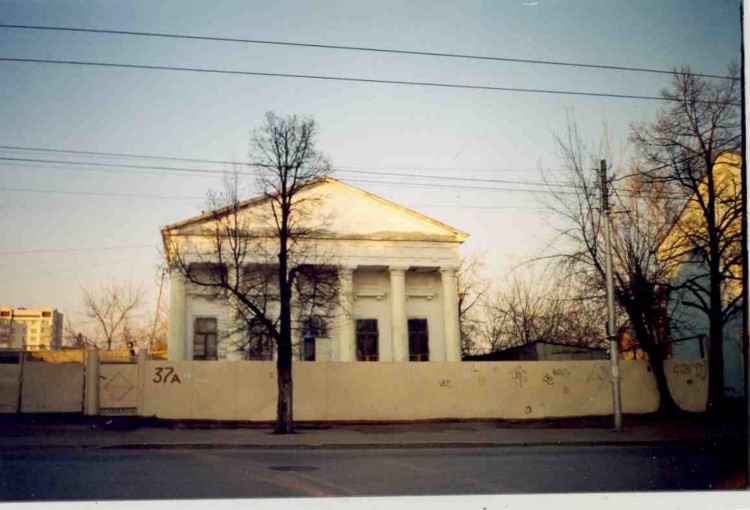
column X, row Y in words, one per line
column 12, row 334
column 38, row 329
column 397, row 274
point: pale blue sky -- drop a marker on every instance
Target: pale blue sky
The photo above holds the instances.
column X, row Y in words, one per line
column 462, row 132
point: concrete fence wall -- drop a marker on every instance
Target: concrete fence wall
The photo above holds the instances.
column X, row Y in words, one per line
column 411, row 391
column 118, row 387
column 52, row 388
column 352, row 391
column 10, row 387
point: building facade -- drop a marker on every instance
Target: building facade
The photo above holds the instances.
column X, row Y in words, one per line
column 395, row 270
column 688, row 323
column 32, row 330
column 12, row 334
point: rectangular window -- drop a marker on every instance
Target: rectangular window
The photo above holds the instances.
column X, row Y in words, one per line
column 205, row 339
column 367, row 340
column 308, row 351
column 419, row 346
column 259, row 345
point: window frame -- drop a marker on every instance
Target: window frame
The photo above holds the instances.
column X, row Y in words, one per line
column 414, row 354
column 206, row 335
column 308, row 341
column 366, row 335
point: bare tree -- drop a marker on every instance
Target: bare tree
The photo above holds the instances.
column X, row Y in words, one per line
column 700, row 124
column 471, row 292
column 640, row 221
column 74, row 337
column 111, row 309
column 537, row 307
column 258, row 259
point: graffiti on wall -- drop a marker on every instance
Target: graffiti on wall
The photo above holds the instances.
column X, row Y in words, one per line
column 695, row 369
column 519, row 375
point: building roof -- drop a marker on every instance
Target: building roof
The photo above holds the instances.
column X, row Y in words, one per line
column 354, row 213
column 504, row 353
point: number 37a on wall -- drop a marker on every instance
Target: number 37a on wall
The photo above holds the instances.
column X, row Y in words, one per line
column 166, row 375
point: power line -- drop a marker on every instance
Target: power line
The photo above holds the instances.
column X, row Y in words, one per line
column 371, row 181
column 97, row 193
column 494, row 207
column 454, row 186
column 73, row 250
column 225, row 162
column 76, row 168
column 365, row 49
column 114, row 154
column 544, row 189
column 114, row 166
column 345, row 79
column 159, row 197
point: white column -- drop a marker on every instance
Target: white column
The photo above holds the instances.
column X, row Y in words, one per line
column 450, row 314
column 176, row 347
column 399, row 334
column 344, row 349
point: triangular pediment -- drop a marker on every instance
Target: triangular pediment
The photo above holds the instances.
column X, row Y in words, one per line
column 339, row 210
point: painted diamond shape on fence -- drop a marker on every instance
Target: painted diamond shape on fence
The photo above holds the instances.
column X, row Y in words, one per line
column 118, row 386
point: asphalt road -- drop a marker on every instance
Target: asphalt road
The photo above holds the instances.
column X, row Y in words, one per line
column 101, row 474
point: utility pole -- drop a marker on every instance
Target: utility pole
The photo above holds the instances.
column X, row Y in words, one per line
column 158, row 309
column 614, row 351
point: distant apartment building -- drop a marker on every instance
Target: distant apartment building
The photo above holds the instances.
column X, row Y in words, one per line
column 12, row 334
column 32, row 330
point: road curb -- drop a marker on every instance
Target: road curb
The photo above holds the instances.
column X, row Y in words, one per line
column 419, row 445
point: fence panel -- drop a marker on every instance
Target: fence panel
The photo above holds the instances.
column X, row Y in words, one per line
column 10, row 384
column 118, row 389
column 52, row 388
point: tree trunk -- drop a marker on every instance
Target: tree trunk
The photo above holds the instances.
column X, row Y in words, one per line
column 715, row 351
column 667, row 405
column 284, row 409
column 284, row 403
column 715, row 315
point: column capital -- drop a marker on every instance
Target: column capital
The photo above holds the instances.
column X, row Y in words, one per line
column 345, row 270
column 175, row 274
column 396, row 268
column 448, row 270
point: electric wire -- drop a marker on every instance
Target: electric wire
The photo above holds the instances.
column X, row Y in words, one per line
column 364, row 49
column 345, row 79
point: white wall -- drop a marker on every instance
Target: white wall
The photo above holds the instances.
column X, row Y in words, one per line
column 357, row 391
column 410, row 391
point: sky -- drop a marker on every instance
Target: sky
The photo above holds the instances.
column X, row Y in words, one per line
column 73, row 237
